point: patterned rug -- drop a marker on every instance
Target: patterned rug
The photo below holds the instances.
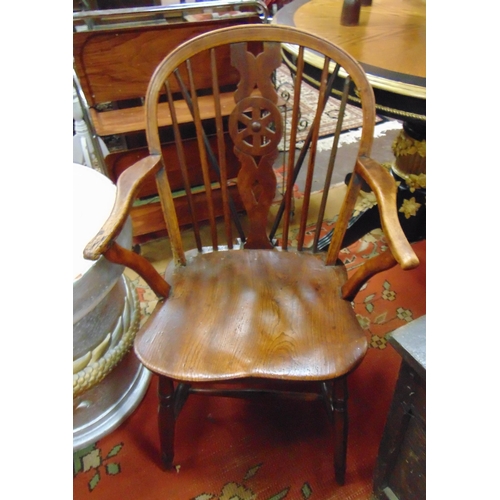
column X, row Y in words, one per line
column 285, row 85
column 242, row 450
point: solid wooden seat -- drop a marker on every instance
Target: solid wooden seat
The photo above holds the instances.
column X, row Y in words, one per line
column 249, row 316
column 248, row 304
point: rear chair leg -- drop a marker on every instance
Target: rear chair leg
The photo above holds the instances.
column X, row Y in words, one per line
column 166, row 420
column 340, row 426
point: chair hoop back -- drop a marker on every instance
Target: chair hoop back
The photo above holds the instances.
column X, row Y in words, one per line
column 248, row 127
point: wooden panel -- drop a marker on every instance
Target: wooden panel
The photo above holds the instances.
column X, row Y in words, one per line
column 407, row 479
column 148, row 219
column 117, row 64
column 120, row 161
column 400, row 471
column 123, row 121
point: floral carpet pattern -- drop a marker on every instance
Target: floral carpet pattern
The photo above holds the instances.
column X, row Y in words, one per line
column 239, row 450
column 285, row 86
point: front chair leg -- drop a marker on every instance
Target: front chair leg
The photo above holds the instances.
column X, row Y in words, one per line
column 340, row 425
column 166, row 420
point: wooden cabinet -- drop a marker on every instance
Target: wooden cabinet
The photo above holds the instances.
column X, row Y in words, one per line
column 400, row 469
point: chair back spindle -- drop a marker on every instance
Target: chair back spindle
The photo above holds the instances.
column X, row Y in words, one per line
column 248, row 139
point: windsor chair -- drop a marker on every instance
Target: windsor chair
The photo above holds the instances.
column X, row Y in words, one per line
column 253, row 304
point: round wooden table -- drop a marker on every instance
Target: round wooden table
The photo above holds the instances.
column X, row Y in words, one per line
column 389, row 42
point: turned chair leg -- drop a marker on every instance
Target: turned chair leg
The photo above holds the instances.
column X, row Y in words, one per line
column 340, row 425
column 166, row 420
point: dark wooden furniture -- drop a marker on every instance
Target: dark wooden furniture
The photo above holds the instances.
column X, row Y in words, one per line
column 245, row 313
column 114, row 64
column 400, row 469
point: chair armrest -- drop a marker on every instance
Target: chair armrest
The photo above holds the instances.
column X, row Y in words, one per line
column 104, row 242
column 128, row 186
column 384, row 187
column 400, row 251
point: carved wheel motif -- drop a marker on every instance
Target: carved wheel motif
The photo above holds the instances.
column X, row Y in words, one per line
column 255, row 126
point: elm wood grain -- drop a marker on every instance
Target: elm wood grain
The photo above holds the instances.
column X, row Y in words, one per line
column 263, row 310
column 236, row 314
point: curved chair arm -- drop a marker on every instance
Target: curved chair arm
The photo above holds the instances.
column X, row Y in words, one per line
column 128, row 185
column 382, row 184
column 119, row 255
column 400, row 250
column 103, row 243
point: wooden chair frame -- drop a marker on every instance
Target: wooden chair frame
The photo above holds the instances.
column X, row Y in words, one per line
column 259, row 266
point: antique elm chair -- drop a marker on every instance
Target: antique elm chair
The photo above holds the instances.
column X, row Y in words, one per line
column 232, row 314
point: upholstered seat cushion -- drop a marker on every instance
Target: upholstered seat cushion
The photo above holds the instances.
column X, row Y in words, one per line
column 253, row 313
